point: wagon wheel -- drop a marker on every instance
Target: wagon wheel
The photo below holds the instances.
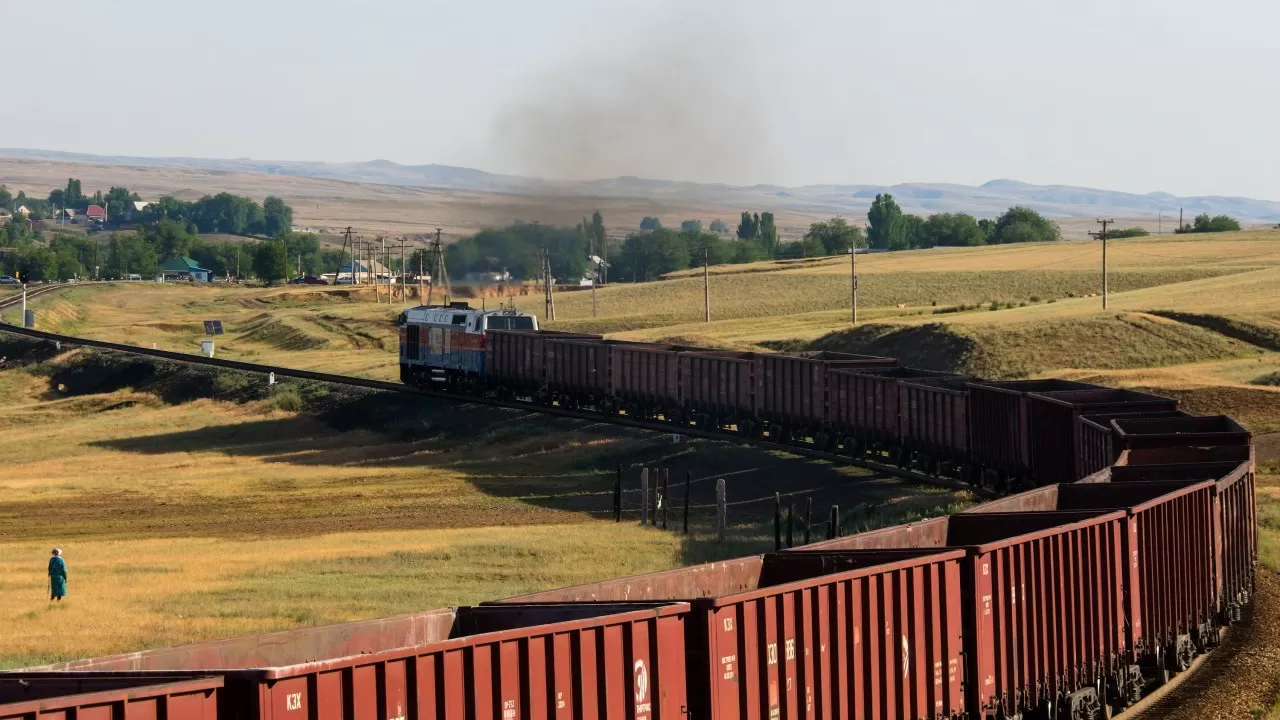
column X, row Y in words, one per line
column 1163, row 672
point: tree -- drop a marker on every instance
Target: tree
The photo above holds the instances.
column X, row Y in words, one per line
column 276, row 216
column 748, row 227
column 649, row 224
column 168, row 238
column 718, row 226
column 118, row 200
column 885, row 227
column 953, row 229
column 58, row 198
column 595, row 232
column 768, row 232
column 1205, row 224
column 73, row 197
column 269, row 261
column 835, row 236
column 1022, row 224
column 913, row 235
column 6, row 198
column 129, row 253
column 693, row 226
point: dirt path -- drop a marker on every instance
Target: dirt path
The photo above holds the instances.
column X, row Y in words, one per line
column 1241, row 679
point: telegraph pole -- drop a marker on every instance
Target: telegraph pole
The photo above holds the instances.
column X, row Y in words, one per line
column 548, row 286
column 1103, row 236
column 346, row 240
column 706, row 285
column 853, row 279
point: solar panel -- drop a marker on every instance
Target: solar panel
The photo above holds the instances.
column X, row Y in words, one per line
column 212, row 327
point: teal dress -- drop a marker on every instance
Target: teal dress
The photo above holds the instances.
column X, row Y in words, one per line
column 57, row 577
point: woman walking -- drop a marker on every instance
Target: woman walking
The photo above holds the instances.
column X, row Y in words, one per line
column 57, row 576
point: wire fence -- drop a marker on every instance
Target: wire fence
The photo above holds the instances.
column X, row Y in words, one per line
column 708, row 507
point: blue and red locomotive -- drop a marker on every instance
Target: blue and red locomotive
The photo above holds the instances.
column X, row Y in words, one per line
column 446, row 344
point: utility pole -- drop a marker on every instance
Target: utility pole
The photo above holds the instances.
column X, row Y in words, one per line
column 421, row 297
column 404, row 276
column 853, row 279
column 706, row 284
column 1103, row 236
column 437, row 270
column 548, row 286
column 1179, row 218
column 1159, row 223
column 346, row 240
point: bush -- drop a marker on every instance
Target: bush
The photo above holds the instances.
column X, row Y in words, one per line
column 1272, row 379
column 286, row 398
column 1127, row 233
column 1035, row 298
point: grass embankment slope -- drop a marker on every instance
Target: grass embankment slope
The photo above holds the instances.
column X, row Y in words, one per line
column 196, row 503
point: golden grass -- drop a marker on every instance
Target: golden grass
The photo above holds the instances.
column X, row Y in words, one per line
column 126, row 595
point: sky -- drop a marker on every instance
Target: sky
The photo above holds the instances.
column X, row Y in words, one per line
column 1135, row 95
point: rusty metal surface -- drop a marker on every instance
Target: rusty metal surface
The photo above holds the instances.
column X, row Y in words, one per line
column 516, row 358
column 876, row 638
column 646, row 376
column 1054, row 434
column 798, row 634
column 867, row 404
column 25, row 697
column 603, row 660
column 578, row 366
column 792, row 387
column 1172, row 576
column 1046, row 583
column 998, row 421
column 718, row 383
column 696, row 581
column 1096, row 436
column 934, row 413
column 1147, row 433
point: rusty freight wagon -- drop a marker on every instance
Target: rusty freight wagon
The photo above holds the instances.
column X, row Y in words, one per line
column 934, row 414
column 999, row 441
column 646, row 379
column 865, row 406
column 793, row 396
column 1235, row 519
column 1045, row 617
column 515, row 360
column 1053, row 426
column 837, row 635
column 28, row 696
column 614, row 661
column 719, row 389
column 578, row 372
column 1097, row 447
column 1171, row 582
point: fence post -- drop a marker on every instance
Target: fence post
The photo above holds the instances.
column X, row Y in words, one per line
column 833, row 526
column 777, row 522
column 688, row 479
column 722, row 510
column 644, row 496
column 808, row 517
column 791, row 523
column 666, row 496
column 617, row 496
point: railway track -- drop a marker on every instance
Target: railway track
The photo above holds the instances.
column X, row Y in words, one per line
column 281, row 371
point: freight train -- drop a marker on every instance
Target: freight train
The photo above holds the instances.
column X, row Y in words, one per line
column 1000, row 434
column 1067, row 601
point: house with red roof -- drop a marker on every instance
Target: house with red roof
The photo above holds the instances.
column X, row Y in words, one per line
column 96, row 213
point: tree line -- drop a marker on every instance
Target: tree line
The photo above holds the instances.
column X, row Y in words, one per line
column 221, row 213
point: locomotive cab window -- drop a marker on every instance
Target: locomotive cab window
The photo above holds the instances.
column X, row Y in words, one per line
column 459, row 319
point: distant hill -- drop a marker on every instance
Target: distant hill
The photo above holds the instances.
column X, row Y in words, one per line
column 986, row 200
